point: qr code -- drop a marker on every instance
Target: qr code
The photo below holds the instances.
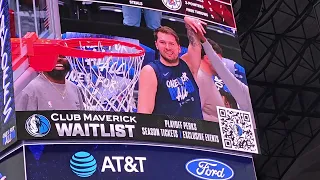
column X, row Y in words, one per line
column 237, row 132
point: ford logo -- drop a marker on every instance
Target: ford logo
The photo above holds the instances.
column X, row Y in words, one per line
column 209, row 169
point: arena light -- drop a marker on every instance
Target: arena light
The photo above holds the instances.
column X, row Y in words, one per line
column 219, row 31
column 110, row 8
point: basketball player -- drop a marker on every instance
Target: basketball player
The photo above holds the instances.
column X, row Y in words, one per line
column 168, row 86
column 51, row 91
column 213, row 65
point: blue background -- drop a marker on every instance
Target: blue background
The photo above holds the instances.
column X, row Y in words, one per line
column 51, row 162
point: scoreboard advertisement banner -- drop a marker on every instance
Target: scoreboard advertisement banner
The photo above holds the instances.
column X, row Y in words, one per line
column 122, row 162
column 108, row 126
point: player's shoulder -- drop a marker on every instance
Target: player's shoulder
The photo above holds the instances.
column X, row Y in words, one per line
column 36, row 80
column 149, row 72
column 185, row 64
column 33, row 85
column 149, row 68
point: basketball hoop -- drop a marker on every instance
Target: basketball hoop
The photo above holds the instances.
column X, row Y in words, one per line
column 106, row 71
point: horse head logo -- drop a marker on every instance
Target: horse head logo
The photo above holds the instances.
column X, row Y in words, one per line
column 37, row 126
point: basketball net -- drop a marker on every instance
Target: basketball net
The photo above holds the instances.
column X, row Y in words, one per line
column 108, row 83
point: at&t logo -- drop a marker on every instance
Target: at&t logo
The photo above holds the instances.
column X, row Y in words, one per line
column 37, row 125
column 83, row 164
column 173, row 5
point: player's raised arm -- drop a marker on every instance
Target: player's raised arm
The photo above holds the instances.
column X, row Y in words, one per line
column 147, row 90
column 193, row 56
column 238, row 90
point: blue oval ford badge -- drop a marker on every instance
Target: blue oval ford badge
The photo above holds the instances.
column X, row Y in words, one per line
column 209, row 169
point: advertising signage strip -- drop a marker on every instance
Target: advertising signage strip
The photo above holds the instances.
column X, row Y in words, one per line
column 70, row 125
column 134, row 162
column 217, row 12
column 7, row 117
column 92, row 125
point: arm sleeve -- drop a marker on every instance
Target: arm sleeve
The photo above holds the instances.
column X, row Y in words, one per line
column 25, row 102
column 238, row 90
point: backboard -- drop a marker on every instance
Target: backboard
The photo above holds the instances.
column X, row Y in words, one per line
column 39, row 16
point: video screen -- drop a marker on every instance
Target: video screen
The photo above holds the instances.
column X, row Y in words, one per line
column 170, row 57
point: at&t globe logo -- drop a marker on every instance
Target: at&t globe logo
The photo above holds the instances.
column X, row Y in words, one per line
column 83, row 164
column 37, row 125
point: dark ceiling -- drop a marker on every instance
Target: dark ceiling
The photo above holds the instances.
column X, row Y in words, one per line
column 281, row 49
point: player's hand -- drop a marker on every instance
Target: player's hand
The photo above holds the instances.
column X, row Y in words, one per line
column 202, row 37
column 196, row 25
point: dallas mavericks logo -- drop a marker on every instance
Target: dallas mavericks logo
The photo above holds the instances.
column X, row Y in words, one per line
column 237, row 130
column 37, row 125
column 83, row 164
column 173, row 5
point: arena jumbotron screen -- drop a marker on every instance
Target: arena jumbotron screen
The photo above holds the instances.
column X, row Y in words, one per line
column 184, row 64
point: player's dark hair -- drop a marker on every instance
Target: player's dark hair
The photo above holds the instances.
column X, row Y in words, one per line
column 229, row 98
column 166, row 30
column 215, row 47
